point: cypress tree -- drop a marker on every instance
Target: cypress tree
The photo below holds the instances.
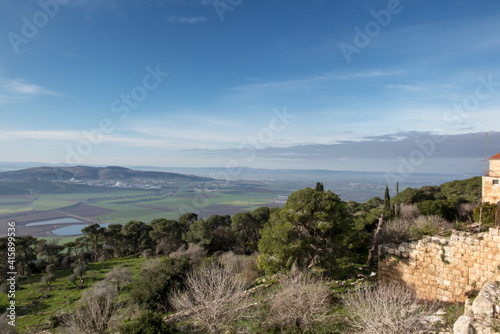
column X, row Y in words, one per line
column 387, row 200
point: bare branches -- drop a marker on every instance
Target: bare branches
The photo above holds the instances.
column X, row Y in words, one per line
column 302, row 303
column 97, row 312
column 388, row 309
column 216, row 299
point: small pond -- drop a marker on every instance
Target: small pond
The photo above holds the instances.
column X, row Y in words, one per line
column 65, row 220
column 73, row 229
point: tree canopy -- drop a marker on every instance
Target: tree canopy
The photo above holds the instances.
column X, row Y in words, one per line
column 309, row 230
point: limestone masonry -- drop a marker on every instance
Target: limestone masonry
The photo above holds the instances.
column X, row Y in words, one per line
column 491, row 181
column 443, row 268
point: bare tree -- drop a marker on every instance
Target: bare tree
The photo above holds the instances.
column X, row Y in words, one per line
column 214, row 299
column 387, row 309
column 465, row 211
column 119, row 276
column 301, row 304
column 97, row 312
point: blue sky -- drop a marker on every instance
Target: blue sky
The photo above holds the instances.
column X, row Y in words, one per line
column 394, row 86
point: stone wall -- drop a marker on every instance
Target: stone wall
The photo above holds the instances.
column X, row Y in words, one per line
column 443, row 268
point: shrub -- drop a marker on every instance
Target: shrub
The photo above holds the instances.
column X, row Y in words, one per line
column 158, row 279
column 301, row 304
column 407, row 229
column 194, row 253
column 97, row 312
column 429, row 225
column 387, row 309
column 487, row 215
column 214, row 299
column 396, row 230
column 408, row 211
column 250, row 270
column 231, row 262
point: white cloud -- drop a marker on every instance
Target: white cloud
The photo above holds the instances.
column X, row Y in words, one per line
column 371, row 74
column 188, row 20
column 410, row 88
column 16, row 89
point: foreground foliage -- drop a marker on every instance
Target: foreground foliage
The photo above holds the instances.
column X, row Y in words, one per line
column 386, row 309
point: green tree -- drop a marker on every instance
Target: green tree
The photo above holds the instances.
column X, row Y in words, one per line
column 50, row 249
column 94, row 233
column 80, row 271
column 214, row 234
column 199, row 233
column 167, row 235
column 25, row 253
column 441, row 208
column 247, row 227
column 187, row 219
column 387, row 200
column 114, row 238
column 311, row 229
column 319, row 186
column 137, row 237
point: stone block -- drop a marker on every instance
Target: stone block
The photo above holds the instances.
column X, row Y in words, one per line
column 464, row 325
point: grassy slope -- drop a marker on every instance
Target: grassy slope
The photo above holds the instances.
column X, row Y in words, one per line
column 36, row 302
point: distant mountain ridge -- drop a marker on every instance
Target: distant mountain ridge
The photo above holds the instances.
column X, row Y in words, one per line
column 46, row 173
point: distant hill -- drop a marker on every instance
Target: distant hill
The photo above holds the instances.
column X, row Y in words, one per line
column 85, row 173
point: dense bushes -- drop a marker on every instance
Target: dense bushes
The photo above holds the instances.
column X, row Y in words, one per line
column 157, row 280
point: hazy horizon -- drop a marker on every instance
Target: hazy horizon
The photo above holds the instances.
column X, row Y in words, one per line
column 398, row 87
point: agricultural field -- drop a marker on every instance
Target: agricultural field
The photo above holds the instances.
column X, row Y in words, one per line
column 119, row 206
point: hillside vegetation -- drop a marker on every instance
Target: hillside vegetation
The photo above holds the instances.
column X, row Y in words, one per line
column 270, row 270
